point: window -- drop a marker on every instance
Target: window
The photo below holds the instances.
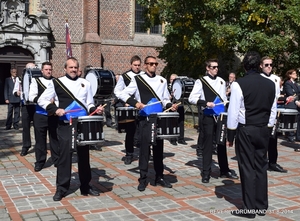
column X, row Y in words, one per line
column 140, row 21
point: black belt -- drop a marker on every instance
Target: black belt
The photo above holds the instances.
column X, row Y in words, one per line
column 61, row 122
column 253, row 125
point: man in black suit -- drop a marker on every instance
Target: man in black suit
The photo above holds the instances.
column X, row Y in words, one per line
column 12, row 101
column 251, row 109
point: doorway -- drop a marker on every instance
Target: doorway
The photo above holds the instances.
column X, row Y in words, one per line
column 12, row 57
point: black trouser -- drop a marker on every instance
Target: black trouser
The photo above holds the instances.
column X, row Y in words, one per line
column 209, row 128
column 251, row 150
column 180, row 111
column 129, row 137
column 64, row 165
column 272, row 150
column 158, row 149
column 42, row 125
column 13, row 109
column 27, row 116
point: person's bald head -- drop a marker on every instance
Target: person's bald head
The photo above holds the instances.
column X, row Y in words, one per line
column 30, row 65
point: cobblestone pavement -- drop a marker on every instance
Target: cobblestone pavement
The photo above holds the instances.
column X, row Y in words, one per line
column 27, row 195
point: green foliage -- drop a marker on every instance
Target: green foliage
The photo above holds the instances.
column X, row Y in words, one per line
column 198, row 30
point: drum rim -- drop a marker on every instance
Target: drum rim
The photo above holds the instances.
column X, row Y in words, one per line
column 126, row 108
column 90, row 117
column 167, row 114
column 287, row 111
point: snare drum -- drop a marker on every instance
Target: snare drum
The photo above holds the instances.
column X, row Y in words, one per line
column 89, row 130
column 221, row 129
column 167, row 125
column 182, row 87
column 28, row 74
column 125, row 115
column 102, row 82
column 287, row 120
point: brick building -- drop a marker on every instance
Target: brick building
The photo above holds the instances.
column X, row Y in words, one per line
column 103, row 34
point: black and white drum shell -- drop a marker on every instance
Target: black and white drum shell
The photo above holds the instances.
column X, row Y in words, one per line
column 125, row 115
column 102, row 82
column 182, row 87
column 89, row 130
column 167, row 125
column 221, row 129
column 287, row 120
column 28, row 74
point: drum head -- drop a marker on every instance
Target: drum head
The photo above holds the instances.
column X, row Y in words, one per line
column 93, row 79
column 177, row 88
column 28, row 74
column 26, row 84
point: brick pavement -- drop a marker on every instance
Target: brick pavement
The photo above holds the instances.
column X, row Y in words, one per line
column 27, row 195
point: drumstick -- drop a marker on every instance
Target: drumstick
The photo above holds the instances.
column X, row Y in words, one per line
column 153, row 103
column 74, row 110
column 172, row 107
column 225, row 102
column 96, row 110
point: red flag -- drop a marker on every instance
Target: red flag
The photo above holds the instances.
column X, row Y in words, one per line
column 68, row 42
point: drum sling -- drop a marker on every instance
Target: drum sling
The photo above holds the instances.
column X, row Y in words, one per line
column 72, row 118
column 151, row 127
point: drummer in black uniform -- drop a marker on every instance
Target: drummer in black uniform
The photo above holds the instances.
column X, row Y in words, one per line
column 266, row 64
column 42, row 122
column 252, row 107
column 122, row 83
column 204, row 94
column 144, row 87
column 68, row 89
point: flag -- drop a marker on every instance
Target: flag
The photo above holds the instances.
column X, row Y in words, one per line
column 68, row 42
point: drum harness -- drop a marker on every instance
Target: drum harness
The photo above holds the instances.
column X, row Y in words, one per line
column 73, row 122
column 152, row 118
column 212, row 90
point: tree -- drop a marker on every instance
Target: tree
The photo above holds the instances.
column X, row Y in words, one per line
column 198, row 30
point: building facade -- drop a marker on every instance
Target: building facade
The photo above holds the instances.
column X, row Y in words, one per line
column 102, row 34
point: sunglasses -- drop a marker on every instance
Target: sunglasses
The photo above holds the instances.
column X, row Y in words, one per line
column 213, row 67
column 152, row 63
column 267, row 65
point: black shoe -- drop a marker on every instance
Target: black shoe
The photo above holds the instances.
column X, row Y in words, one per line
column 142, row 186
column 205, row 179
column 7, row 128
column 276, row 167
column 90, row 192
column 38, row 168
column 58, row 196
column 297, row 150
column 215, row 152
column 24, row 152
column 240, row 213
column 291, row 139
column 16, row 127
column 230, row 174
column 199, row 152
column 162, row 182
column 173, row 142
column 182, row 142
column 128, row 159
column 261, row 212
